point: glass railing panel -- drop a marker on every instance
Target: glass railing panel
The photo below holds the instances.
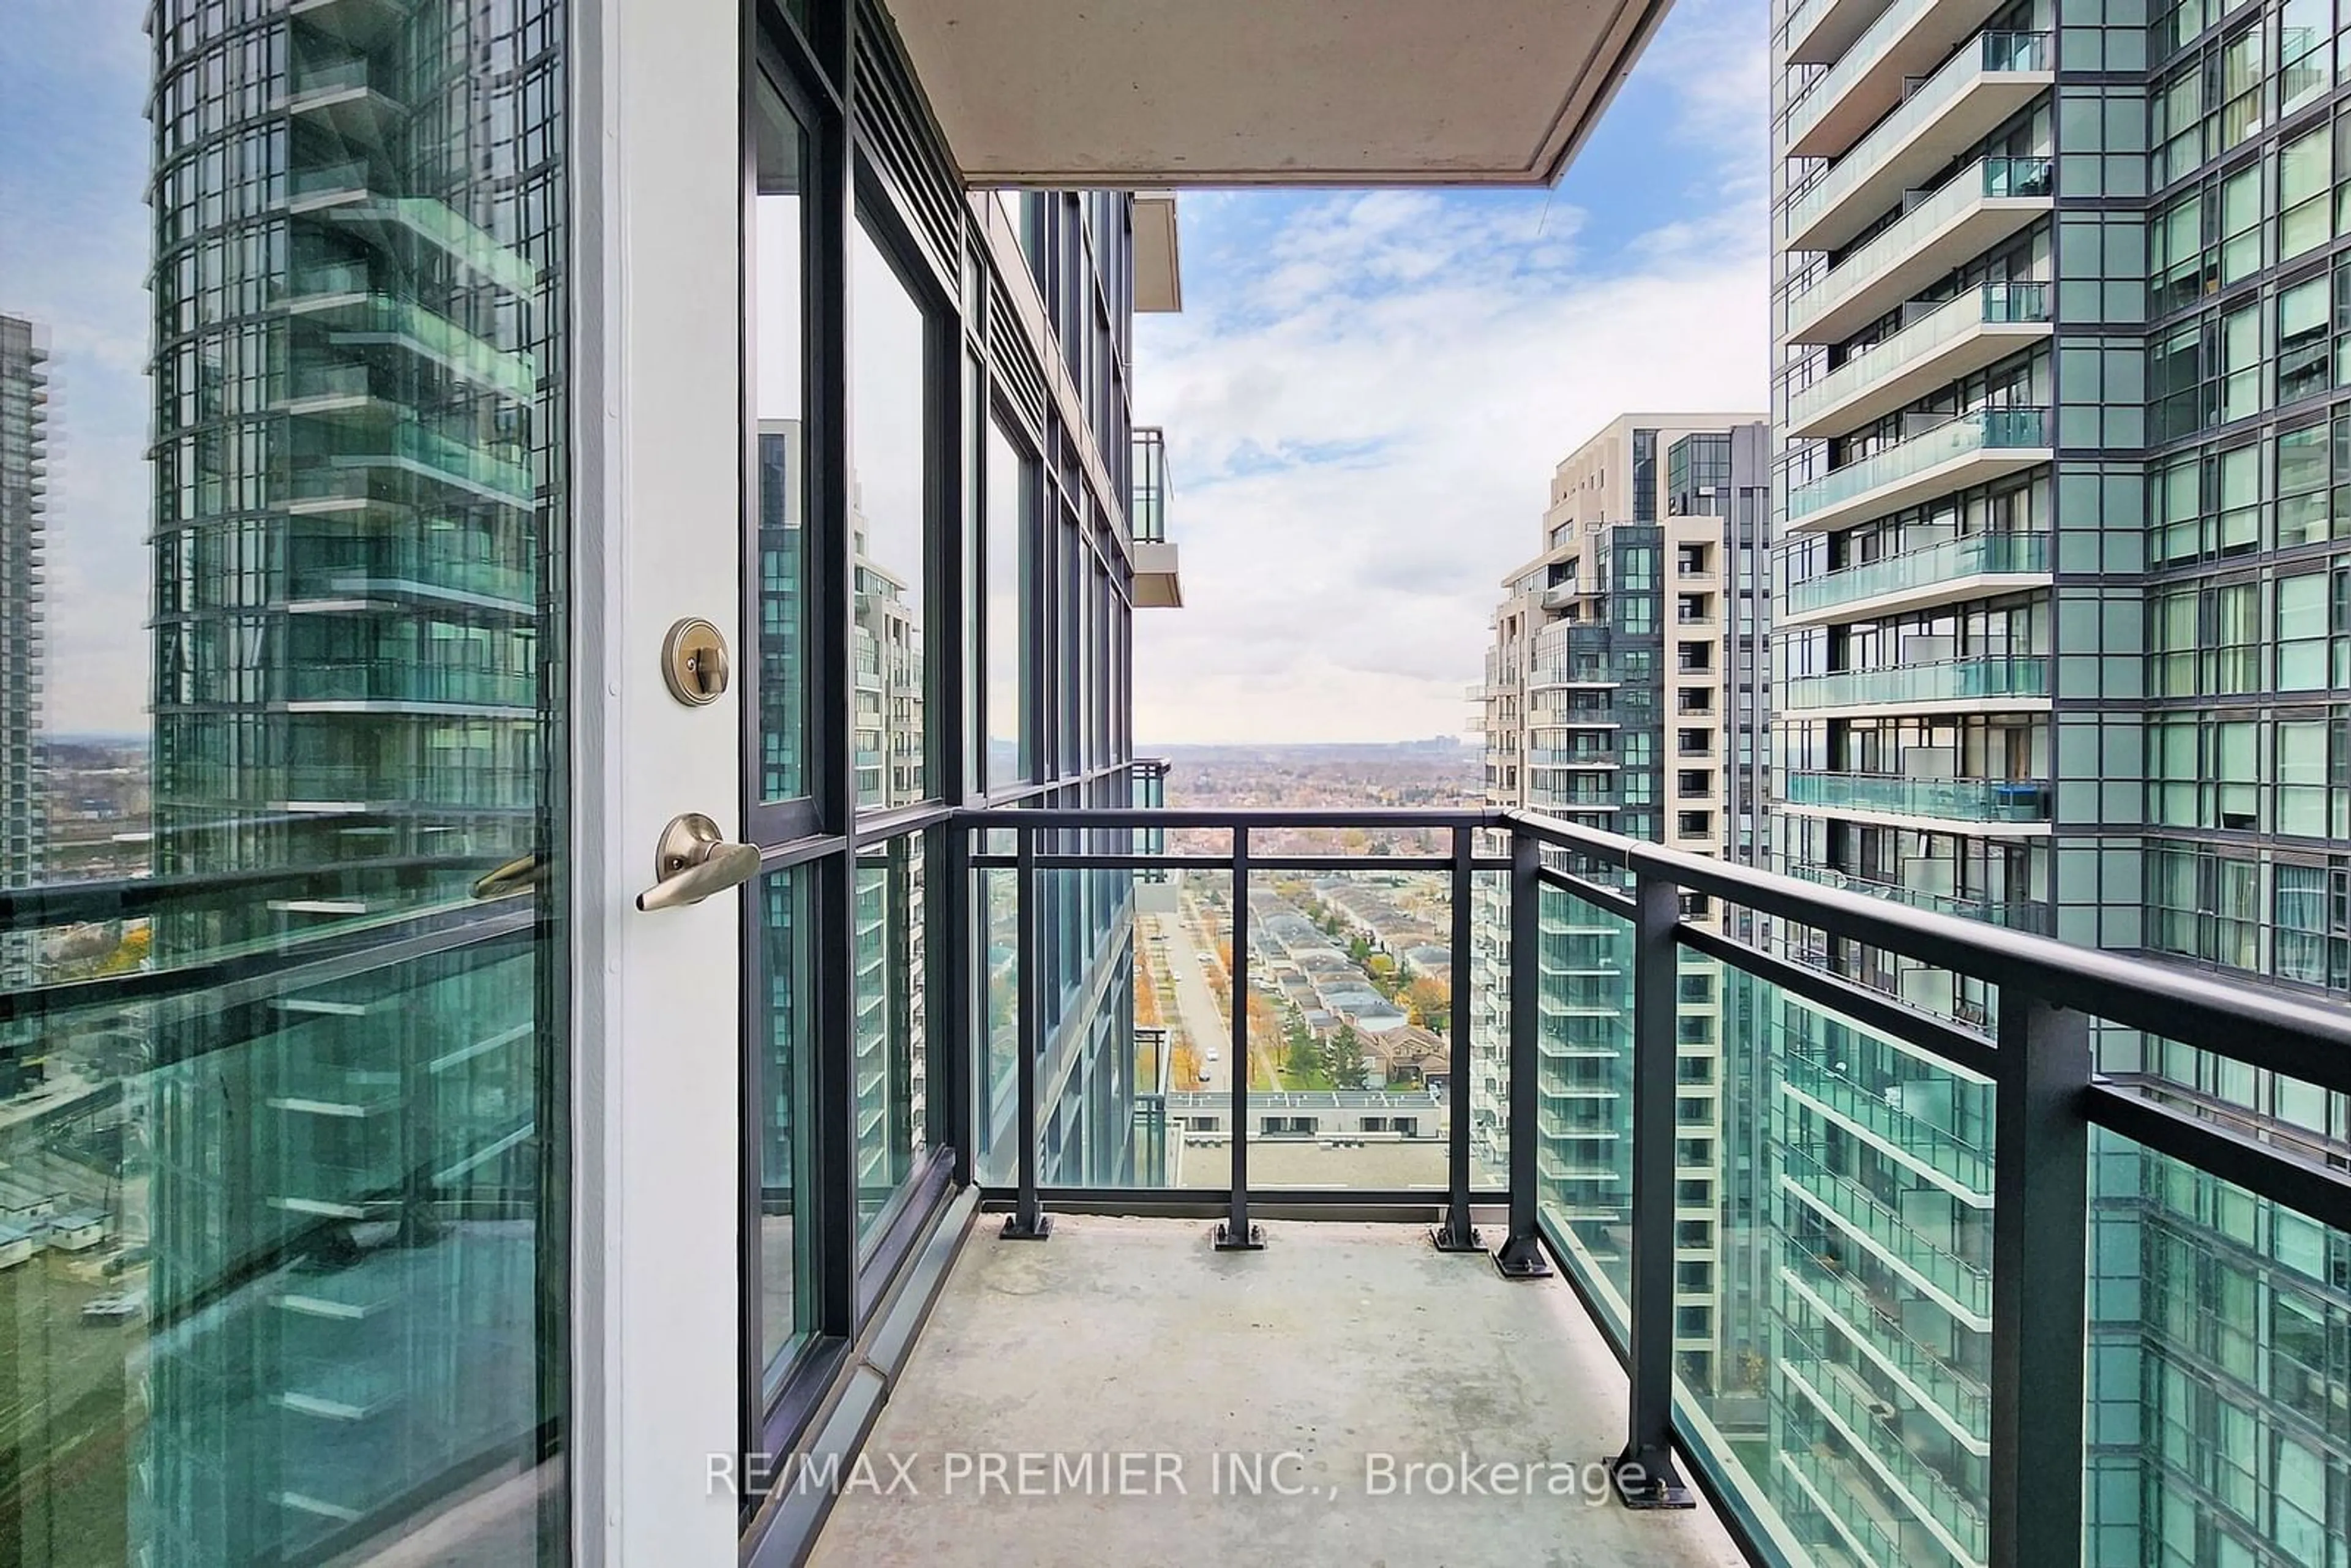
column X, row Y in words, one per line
column 1956, row 800
column 1985, row 428
column 1584, row 1081
column 376, row 1025
column 1833, row 1347
column 331, row 76
column 395, row 569
column 1855, row 63
column 1969, row 555
column 1986, row 179
column 2016, row 913
column 1948, row 680
column 1991, row 52
column 2213, row 1311
column 515, row 374
column 889, row 1027
column 1349, row 1013
column 391, row 680
column 1134, row 1070
column 1994, row 303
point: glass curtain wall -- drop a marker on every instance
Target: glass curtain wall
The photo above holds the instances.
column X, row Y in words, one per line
column 283, row 1164
column 938, row 585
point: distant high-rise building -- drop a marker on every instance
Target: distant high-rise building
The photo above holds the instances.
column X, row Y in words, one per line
column 24, row 810
column 2060, row 644
column 1624, row 692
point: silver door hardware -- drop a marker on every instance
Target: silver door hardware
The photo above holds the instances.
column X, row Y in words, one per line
column 694, row 861
column 693, row 662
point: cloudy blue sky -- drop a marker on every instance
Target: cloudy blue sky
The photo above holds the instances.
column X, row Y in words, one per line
column 74, row 241
column 1365, row 393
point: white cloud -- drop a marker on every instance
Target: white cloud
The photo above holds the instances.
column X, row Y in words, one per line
column 1363, row 407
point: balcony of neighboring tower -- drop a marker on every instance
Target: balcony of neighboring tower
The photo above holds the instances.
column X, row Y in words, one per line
column 346, row 98
column 1964, row 101
column 1157, row 583
column 1976, row 208
column 1985, row 805
column 1997, row 683
column 1937, row 344
column 1950, row 572
column 1972, row 449
column 1908, row 39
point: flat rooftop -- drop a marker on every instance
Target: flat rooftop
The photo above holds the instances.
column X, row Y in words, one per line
column 1334, row 1362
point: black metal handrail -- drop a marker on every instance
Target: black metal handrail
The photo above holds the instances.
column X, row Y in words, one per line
column 2047, row 1096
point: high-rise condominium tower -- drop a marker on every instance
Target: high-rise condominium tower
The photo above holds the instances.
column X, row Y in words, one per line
column 1624, row 692
column 24, row 808
column 2060, row 643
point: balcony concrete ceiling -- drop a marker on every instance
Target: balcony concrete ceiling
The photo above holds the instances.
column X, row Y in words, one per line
column 1152, row 93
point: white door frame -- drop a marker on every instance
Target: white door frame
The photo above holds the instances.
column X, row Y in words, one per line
column 657, row 456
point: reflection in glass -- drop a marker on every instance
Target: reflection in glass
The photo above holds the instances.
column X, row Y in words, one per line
column 888, row 1043
column 889, row 474
column 1011, row 610
column 776, row 304
column 1835, row 1328
column 1584, row 1167
column 781, row 1070
column 282, row 1220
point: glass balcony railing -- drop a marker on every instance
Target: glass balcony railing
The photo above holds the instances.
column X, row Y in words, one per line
column 327, row 179
column 468, row 465
column 1882, row 1226
column 1992, row 304
column 1572, row 757
column 1147, row 510
column 515, row 374
column 2016, row 913
column 331, row 76
column 1952, row 799
column 1926, row 1489
column 412, row 568
column 1970, row 554
column 406, row 681
column 1885, row 1120
column 1840, row 1403
column 1817, row 99
column 1986, row 429
column 1991, row 52
column 437, row 783
column 1873, row 1320
column 1947, row 680
column 1987, row 178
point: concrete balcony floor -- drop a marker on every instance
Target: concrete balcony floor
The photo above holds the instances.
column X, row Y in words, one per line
column 1337, row 1342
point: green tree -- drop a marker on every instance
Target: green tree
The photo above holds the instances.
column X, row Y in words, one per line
column 1347, row 1070
column 1342, row 1058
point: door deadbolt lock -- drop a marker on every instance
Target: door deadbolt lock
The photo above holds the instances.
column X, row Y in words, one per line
column 693, row 662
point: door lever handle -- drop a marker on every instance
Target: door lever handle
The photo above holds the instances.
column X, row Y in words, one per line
column 694, row 861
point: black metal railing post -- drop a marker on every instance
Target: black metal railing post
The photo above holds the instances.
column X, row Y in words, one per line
column 1027, row 1221
column 1235, row 1234
column 1457, row 1233
column 2040, row 1282
column 1644, row 1473
column 1520, row 1255
column 966, row 1021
